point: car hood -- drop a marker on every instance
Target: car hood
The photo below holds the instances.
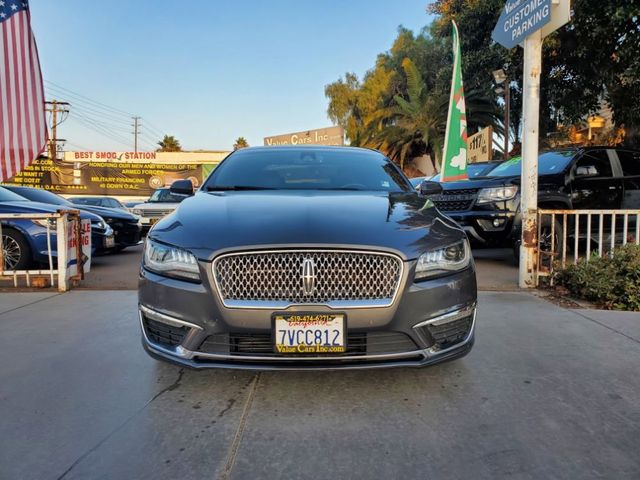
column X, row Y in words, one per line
column 37, row 207
column 209, row 223
column 477, row 183
column 108, row 212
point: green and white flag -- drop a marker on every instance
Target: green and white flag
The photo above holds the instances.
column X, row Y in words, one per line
column 454, row 158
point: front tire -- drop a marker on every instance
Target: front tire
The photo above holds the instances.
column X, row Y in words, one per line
column 16, row 250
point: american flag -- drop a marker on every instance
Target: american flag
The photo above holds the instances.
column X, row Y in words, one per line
column 23, row 128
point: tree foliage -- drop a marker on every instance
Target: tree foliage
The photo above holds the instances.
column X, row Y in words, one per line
column 240, row 142
column 400, row 106
column 169, row 144
column 594, row 58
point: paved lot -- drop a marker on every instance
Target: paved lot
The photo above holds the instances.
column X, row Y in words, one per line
column 496, row 270
column 546, row 393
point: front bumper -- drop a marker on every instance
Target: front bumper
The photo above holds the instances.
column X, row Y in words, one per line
column 487, row 227
column 177, row 319
column 127, row 234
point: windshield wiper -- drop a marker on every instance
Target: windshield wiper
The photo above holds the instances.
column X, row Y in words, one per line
column 223, row 188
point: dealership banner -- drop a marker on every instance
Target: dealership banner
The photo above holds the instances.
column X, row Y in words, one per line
column 107, row 177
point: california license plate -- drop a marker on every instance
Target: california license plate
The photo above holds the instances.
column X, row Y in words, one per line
column 310, row 333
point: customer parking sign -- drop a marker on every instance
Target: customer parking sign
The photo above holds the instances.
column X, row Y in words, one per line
column 519, row 19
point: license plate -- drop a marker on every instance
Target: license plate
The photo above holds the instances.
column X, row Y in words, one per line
column 109, row 242
column 310, row 333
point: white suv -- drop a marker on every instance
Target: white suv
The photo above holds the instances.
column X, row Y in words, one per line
column 162, row 202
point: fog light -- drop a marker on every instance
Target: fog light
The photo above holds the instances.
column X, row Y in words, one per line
column 497, row 223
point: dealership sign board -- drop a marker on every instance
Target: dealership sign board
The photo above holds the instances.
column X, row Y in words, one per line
column 479, row 146
column 72, row 246
column 322, row 136
column 94, row 177
column 519, row 19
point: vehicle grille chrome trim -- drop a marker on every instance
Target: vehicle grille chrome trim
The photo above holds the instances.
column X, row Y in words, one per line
column 277, row 279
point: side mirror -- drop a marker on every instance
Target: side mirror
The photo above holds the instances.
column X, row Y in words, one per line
column 428, row 188
column 182, row 187
column 589, row 171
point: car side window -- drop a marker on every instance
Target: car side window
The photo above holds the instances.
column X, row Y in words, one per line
column 595, row 163
column 630, row 163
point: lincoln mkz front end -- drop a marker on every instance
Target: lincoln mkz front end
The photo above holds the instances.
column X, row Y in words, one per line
column 303, row 258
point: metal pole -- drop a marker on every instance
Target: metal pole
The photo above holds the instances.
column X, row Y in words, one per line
column 62, row 242
column 136, row 126
column 54, row 129
column 529, row 180
column 507, row 113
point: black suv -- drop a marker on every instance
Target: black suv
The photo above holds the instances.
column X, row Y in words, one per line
column 576, row 179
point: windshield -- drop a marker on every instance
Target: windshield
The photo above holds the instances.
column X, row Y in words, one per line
column 7, row 196
column 163, row 195
column 307, row 169
column 548, row 164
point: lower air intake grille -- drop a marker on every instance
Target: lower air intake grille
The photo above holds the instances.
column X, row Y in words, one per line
column 163, row 334
column 450, row 333
column 257, row 344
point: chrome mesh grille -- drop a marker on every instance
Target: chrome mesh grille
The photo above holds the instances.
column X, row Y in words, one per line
column 339, row 276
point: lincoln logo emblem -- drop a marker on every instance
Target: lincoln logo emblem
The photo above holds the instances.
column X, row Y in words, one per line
column 308, row 276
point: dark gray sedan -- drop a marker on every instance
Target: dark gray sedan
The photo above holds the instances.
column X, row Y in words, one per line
column 307, row 258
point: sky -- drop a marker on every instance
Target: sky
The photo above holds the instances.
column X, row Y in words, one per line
column 205, row 71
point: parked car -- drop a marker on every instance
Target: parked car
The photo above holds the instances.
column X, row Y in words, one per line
column 307, row 257
column 24, row 242
column 106, row 202
column 487, row 207
column 126, row 227
column 161, row 203
column 131, row 204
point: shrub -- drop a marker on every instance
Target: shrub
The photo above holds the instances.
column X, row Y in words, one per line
column 611, row 282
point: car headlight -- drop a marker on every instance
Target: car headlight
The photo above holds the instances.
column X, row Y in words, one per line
column 497, row 194
column 170, row 261
column 136, row 211
column 99, row 224
column 443, row 260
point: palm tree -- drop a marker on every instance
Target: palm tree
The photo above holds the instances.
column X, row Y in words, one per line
column 169, row 144
column 241, row 142
column 416, row 125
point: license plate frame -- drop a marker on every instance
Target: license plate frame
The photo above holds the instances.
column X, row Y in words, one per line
column 338, row 321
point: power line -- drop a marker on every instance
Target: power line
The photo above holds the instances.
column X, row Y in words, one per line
column 105, row 119
column 100, row 130
column 103, row 105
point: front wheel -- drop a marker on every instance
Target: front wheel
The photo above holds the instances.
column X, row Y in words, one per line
column 16, row 251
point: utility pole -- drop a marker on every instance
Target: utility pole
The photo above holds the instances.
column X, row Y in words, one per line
column 136, row 127
column 529, row 180
column 507, row 119
column 54, row 107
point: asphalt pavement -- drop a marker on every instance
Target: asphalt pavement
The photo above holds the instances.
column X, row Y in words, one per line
column 546, row 393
